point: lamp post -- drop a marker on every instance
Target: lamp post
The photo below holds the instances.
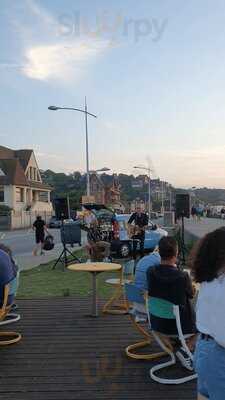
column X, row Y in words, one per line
column 162, row 198
column 149, row 186
column 104, row 169
column 86, row 113
column 170, row 198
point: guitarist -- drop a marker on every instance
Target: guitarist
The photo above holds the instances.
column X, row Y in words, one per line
column 140, row 220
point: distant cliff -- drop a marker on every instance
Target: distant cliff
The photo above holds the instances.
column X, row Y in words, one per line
column 74, row 186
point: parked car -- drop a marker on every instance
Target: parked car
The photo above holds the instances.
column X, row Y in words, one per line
column 153, row 234
column 122, row 246
column 54, row 223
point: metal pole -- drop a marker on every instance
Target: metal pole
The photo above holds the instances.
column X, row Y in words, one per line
column 162, row 198
column 94, row 295
column 87, row 152
column 68, row 205
column 149, row 195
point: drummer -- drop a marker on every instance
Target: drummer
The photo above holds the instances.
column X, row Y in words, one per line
column 140, row 220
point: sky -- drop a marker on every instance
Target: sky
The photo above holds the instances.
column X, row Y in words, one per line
column 152, row 71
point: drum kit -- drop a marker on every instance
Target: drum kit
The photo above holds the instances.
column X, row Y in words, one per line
column 134, row 230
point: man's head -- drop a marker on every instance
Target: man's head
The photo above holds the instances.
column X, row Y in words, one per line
column 168, row 249
column 139, row 209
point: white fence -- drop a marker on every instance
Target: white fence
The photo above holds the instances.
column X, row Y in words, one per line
column 25, row 219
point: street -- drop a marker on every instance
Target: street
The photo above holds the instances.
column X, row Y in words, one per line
column 22, row 242
column 200, row 228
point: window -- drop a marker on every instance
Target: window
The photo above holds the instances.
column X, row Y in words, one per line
column 19, row 195
column 43, row 196
column 30, row 173
column 35, row 174
column 2, row 196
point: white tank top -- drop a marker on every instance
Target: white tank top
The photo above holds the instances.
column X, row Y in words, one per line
column 210, row 309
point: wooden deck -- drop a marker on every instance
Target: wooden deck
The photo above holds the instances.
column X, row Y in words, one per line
column 66, row 356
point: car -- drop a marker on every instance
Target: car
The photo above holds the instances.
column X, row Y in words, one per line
column 121, row 246
column 153, row 234
column 54, row 223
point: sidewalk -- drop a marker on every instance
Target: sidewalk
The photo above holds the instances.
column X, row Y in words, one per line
column 27, row 260
column 197, row 229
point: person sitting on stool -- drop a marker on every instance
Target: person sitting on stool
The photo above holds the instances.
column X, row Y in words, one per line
column 98, row 249
column 140, row 220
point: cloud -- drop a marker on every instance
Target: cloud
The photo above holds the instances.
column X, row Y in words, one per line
column 203, row 166
column 60, row 62
column 40, row 12
column 44, row 55
column 52, row 156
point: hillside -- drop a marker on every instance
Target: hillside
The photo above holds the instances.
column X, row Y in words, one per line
column 74, row 186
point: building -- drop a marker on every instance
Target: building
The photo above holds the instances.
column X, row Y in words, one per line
column 105, row 189
column 21, row 186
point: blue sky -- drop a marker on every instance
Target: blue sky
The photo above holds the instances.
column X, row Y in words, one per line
column 153, row 72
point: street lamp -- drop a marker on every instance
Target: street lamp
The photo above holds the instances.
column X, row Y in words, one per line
column 55, row 108
column 104, row 169
column 162, row 190
column 149, row 185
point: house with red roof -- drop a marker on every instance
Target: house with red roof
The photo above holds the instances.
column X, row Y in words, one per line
column 21, row 186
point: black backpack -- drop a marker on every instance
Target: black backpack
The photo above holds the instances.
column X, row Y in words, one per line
column 48, row 243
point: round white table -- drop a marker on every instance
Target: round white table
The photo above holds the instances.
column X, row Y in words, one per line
column 95, row 268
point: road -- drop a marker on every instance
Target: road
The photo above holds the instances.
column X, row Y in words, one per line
column 22, row 243
column 197, row 229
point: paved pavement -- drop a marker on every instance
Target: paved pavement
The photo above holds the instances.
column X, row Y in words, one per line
column 22, row 243
column 198, row 229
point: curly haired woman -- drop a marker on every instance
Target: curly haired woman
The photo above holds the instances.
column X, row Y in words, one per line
column 208, row 269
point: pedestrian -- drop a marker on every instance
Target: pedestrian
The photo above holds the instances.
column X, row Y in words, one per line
column 40, row 228
column 199, row 212
column 193, row 212
column 222, row 213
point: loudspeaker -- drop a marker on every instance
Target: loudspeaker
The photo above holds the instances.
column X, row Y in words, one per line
column 61, row 208
column 182, row 205
column 71, row 233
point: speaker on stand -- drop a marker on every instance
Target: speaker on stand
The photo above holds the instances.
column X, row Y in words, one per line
column 182, row 210
column 62, row 212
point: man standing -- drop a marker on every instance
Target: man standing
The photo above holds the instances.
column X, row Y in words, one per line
column 140, row 220
column 40, row 227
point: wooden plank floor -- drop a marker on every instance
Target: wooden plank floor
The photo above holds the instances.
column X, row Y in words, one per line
column 65, row 355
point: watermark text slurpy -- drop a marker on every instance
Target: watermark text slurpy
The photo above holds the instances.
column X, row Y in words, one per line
column 112, row 26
